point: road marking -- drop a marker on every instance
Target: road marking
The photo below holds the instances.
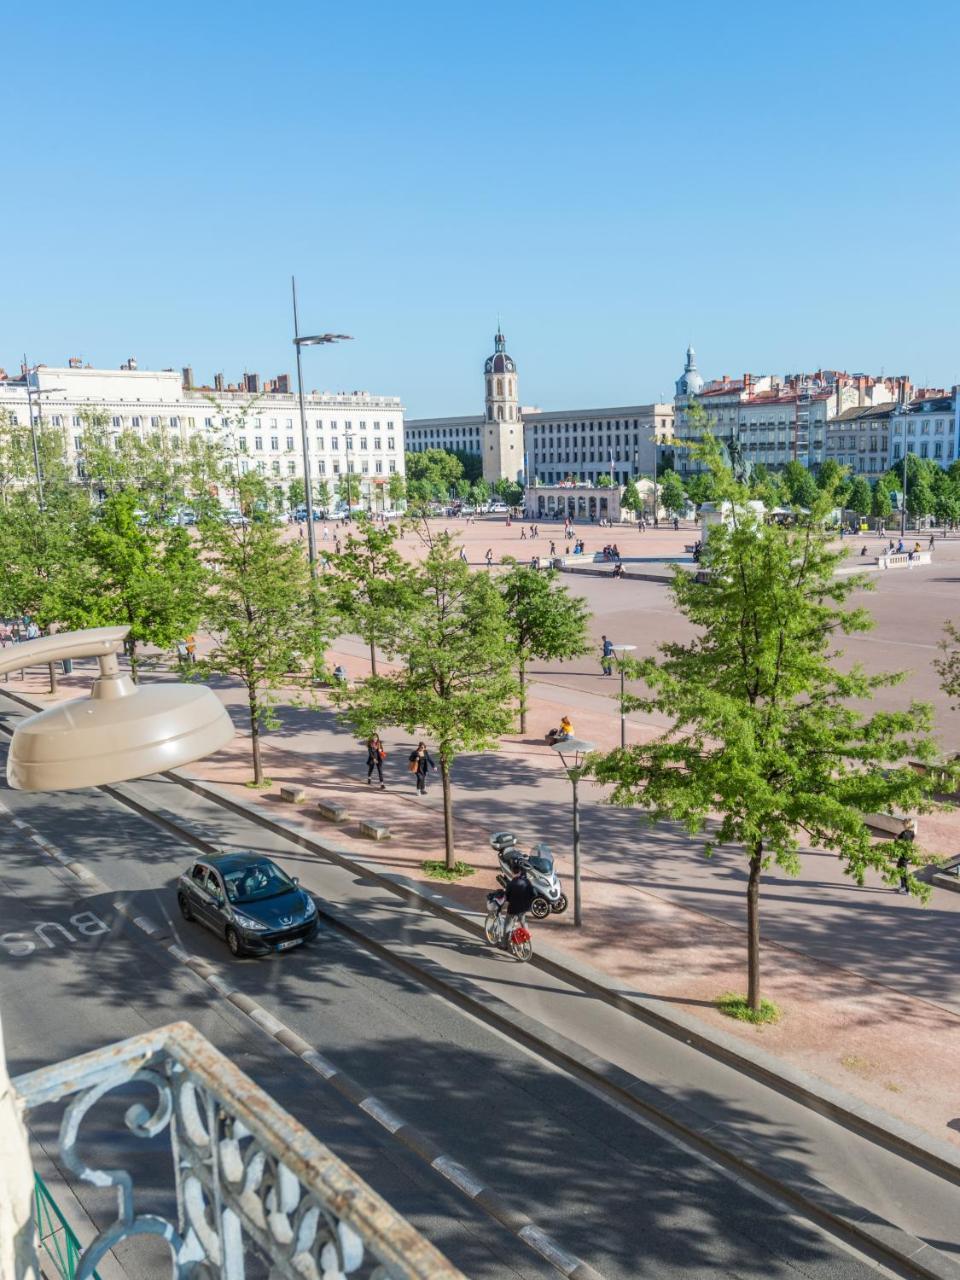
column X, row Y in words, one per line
column 383, row 1115
column 17, row 943
column 458, row 1175
column 549, row 1249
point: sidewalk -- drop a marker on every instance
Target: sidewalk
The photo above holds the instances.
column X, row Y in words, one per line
column 869, row 983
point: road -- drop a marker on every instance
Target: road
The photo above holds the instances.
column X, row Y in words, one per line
column 616, row 1192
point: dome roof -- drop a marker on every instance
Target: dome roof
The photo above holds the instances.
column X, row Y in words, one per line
column 690, row 382
column 499, row 362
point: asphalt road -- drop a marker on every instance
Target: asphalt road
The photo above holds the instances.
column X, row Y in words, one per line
column 615, row 1192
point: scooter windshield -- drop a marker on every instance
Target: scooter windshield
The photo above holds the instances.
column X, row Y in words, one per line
column 541, row 863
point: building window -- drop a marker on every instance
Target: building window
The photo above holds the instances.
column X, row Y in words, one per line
column 319, row 444
column 335, row 443
column 291, row 467
column 336, row 467
column 242, row 443
column 274, row 443
column 938, row 448
column 392, row 466
column 378, row 467
column 78, row 442
column 924, row 449
column 258, row 443
column 365, row 466
column 275, row 467
column 77, row 421
column 363, row 443
column 289, row 444
column 321, row 467
column 175, row 423
column 377, row 442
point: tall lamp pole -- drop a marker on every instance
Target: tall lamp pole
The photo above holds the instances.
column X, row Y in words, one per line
column 31, row 392
column 579, row 750
column 903, row 504
column 314, row 340
column 621, row 650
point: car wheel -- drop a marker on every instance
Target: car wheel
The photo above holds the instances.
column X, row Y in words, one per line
column 183, row 902
column 233, row 941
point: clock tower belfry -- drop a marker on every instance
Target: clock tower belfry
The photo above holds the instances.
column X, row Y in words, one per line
column 502, row 427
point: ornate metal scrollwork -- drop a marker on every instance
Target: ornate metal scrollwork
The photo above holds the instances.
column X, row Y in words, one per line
column 250, row 1182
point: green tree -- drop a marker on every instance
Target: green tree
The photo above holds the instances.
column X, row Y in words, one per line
column 472, row 464
column 831, row 479
column 920, row 500
column 454, row 684
column 763, row 732
column 479, row 493
column 543, row 621
column 431, row 475
column 880, row 505
column 605, row 480
column 348, row 489
column 860, row 496
column 801, row 487
column 127, row 572
column 370, row 587
column 948, row 667
column 260, row 612
column 396, row 490
column 297, row 494
column 321, row 495
column 631, row 500
column 509, row 491
column 673, row 499
column 700, row 488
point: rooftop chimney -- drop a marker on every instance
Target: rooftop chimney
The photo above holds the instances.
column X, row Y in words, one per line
column 187, row 378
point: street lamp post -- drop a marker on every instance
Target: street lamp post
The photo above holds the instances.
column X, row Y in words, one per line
column 31, row 392
column 621, row 650
column 903, row 502
column 579, row 750
column 314, row 340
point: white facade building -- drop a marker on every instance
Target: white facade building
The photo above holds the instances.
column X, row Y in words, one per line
column 535, row 445
column 348, row 432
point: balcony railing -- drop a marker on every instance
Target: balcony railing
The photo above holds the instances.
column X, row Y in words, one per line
column 256, row 1193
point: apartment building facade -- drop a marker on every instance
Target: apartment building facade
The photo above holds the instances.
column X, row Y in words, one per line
column 348, row 432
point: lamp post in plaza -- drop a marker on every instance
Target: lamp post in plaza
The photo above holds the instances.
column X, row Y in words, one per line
column 121, row 731
column 313, row 340
column 36, row 391
column 578, row 750
column 621, row 650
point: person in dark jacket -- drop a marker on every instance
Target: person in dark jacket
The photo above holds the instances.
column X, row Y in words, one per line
column 375, row 758
column 420, row 763
column 520, row 896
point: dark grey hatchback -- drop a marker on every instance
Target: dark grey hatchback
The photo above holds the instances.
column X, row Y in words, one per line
column 249, row 901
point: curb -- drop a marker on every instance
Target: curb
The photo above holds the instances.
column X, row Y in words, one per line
column 886, row 1131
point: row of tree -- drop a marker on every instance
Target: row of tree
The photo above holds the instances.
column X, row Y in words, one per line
column 439, row 475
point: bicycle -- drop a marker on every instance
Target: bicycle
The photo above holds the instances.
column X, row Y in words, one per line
column 520, row 942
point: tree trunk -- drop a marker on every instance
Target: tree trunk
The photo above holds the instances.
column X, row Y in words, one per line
column 53, row 677
column 134, row 662
column 447, row 812
column 255, row 739
column 373, row 657
column 523, row 696
column 753, row 928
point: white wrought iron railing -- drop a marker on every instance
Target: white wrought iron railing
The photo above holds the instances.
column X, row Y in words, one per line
column 256, row 1193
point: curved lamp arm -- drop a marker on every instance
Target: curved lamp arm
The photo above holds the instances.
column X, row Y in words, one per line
column 99, row 642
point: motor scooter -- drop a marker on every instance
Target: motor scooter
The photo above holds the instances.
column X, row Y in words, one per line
column 538, row 863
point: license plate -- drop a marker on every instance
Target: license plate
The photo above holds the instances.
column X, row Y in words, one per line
column 291, row 942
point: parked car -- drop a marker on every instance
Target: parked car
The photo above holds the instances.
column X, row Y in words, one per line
column 235, row 517
column 247, row 900
column 498, row 508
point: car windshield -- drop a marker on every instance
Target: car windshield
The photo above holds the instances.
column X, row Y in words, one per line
column 255, row 882
column 541, row 863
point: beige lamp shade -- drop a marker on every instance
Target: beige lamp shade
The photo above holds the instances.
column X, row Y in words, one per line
column 121, row 731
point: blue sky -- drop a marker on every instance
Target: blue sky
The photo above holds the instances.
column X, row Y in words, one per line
column 776, row 183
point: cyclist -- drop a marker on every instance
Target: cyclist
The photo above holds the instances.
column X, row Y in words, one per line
column 520, row 895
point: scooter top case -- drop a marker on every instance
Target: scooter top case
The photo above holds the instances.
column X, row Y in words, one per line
column 501, row 840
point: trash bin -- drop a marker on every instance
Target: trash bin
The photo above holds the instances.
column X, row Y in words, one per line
column 68, row 666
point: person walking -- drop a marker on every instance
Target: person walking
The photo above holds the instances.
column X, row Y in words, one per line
column 523, row 534
column 191, row 647
column 420, row 763
column 375, row 758
column 488, row 556
column 607, row 659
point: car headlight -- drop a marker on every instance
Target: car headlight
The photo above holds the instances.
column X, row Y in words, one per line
column 310, row 908
column 248, row 922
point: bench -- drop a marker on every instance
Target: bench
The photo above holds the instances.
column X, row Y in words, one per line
column 689, row 548
column 374, row 830
column 293, row 795
column 901, row 559
column 332, row 812
column 890, row 824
